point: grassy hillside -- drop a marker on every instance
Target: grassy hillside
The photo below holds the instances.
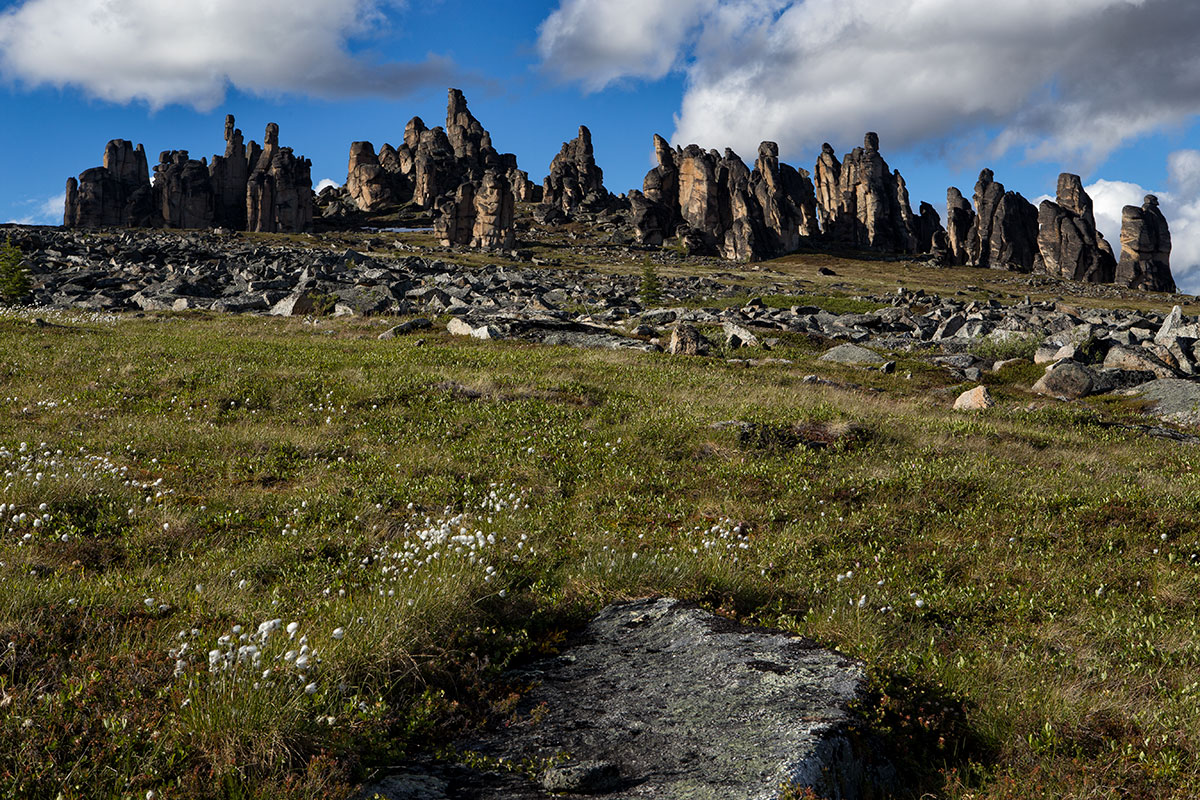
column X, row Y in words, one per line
column 177, row 490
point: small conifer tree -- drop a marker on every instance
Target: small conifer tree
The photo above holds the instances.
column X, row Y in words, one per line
column 14, row 278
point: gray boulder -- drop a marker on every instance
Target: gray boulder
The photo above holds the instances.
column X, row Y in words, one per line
column 853, row 354
column 1173, row 400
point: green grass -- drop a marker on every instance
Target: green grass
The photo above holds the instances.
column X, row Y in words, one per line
column 1053, row 652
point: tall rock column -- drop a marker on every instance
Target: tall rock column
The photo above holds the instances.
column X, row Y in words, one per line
column 228, row 175
column 1068, row 242
column 1145, row 248
column 367, row 181
column 183, row 193
column 960, row 218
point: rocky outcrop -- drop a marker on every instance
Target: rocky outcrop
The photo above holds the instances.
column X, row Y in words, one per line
column 183, row 192
column 717, row 205
column 279, row 197
column 1004, row 233
column 960, row 218
column 115, row 194
column 455, row 222
column 575, row 180
column 466, row 134
column 248, row 188
column 494, row 207
column 870, row 206
column 930, row 233
column 369, row 184
column 1069, row 245
column 787, row 198
column 1145, row 248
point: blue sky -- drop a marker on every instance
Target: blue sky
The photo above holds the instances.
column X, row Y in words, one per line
column 1109, row 89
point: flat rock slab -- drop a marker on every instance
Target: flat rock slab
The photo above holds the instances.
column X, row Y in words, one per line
column 658, row 698
column 853, row 354
column 1173, row 400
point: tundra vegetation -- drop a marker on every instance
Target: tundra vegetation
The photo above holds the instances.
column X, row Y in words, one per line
column 250, row 557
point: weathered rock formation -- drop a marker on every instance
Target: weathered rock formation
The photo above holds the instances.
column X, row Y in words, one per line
column 718, row 205
column 1070, row 246
column 367, row 181
column 183, row 192
column 229, row 174
column 279, row 195
column 1145, row 248
column 575, row 180
column 960, row 218
column 249, row 188
column 430, row 169
column 863, row 203
column 1004, row 233
column 116, row 194
column 929, row 230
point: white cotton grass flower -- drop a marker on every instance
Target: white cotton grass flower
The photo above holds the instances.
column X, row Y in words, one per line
column 339, row 633
column 292, row 627
column 310, row 688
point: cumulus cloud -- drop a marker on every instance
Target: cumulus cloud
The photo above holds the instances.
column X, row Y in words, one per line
column 191, row 53
column 1180, row 204
column 325, row 183
column 1069, row 79
column 598, row 42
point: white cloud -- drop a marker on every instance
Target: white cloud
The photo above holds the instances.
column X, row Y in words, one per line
column 163, row 52
column 325, row 182
column 598, row 42
column 1069, row 79
column 48, row 211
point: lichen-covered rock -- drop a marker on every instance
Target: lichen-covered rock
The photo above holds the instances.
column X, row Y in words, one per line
column 1145, row 248
column 1068, row 242
column 575, row 179
column 650, row 690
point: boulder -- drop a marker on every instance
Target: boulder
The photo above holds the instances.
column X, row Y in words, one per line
column 977, row 399
column 686, row 340
column 1145, row 248
column 644, row 698
column 1173, row 400
column 1067, row 380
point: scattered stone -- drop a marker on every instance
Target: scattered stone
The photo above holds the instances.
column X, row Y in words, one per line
column 736, row 336
column 458, row 327
column 1067, row 380
column 977, row 399
column 686, row 340
column 853, row 354
column 417, row 324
